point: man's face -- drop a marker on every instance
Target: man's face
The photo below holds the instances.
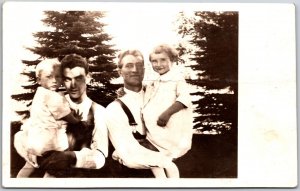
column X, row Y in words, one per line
column 161, row 63
column 75, row 81
column 132, row 71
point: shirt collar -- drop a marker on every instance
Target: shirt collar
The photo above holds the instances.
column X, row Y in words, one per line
column 169, row 75
column 85, row 101
column 129, row 92
column 134, row 97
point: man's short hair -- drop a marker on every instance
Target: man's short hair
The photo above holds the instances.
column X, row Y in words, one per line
column 45, row 64
column 135, row 53
column 165, row 48
column 74, row 60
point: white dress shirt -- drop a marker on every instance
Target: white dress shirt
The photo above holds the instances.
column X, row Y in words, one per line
column 94, row 157
column 127, row 149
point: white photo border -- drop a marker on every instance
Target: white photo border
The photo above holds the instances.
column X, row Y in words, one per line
column 267, row 120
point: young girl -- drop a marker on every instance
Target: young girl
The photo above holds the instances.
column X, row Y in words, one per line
column 45, row 130
column 167, row 106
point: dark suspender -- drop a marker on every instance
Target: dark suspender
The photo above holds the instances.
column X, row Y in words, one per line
column 131, row 120
column 128, row 113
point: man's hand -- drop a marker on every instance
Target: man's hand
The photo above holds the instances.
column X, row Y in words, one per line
column 56, row 163
column 163, row 119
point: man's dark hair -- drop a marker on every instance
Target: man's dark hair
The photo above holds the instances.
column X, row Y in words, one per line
column 74, row 60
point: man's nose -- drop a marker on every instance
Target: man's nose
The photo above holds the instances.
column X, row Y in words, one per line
column 134, row 68
column 73, row 83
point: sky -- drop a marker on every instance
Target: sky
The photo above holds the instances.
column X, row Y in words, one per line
column 140, row 29
column 130, row 28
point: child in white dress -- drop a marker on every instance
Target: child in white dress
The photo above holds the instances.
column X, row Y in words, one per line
column 167, row 107
column 45, row 129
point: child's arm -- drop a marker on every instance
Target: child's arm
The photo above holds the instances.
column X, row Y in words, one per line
column 73, row 117
column 165, row 116
column 60, row 108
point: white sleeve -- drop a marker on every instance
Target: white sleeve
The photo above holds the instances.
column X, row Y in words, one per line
column 100, row 133
column 183, row 93
column 95, row 157
column 87, row 158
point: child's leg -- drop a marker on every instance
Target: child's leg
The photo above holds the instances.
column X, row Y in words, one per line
column 47, row 175
column 26, row 171
column 172, row 171
column 158, row 172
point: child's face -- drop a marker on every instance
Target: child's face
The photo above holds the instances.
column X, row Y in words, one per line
column 161, row 63
column 50, row 78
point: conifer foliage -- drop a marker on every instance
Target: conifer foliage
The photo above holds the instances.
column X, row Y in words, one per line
column 214, row 38
column 79, row 32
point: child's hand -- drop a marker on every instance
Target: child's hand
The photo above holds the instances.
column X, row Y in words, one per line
column 163, row 119
column 32, row 159
column 76, row 114
column 120, row 92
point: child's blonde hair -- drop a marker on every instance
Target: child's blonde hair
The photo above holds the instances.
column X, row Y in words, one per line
column 46, row 64
column 169, row 50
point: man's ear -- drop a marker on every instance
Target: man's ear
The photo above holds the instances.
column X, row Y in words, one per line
column 38, row 80
column 120, row 72
column 88, row 78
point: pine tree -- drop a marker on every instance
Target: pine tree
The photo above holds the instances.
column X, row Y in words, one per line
column 214, row 36
column 80, row 32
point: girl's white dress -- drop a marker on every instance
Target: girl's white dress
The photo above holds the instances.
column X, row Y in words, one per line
column 176, row 137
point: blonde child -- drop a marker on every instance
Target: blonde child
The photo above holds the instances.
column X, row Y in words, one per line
column 45, row 130
column 167, row 108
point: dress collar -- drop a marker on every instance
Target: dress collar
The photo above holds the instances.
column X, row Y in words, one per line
column 169, row 75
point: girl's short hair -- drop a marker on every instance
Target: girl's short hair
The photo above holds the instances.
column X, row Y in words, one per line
column 165, row 48
column 135, row 53
column 45, row 64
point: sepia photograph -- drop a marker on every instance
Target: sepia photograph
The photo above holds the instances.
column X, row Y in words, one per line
column 105, row 94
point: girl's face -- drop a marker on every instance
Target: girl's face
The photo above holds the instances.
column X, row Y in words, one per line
column 161, row 63
column 50, row 78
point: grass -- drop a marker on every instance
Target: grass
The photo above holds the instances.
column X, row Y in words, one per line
column 211, row 156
